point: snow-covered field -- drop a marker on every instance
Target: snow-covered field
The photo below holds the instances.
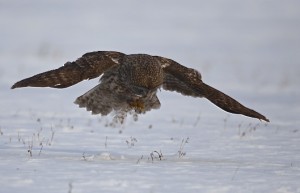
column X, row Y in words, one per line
column 248, row 49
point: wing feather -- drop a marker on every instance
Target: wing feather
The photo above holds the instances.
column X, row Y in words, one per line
column 171, row 83
column 188, row 81
column 89, row 66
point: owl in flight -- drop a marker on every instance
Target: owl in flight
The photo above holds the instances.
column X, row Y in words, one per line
column 129, row 83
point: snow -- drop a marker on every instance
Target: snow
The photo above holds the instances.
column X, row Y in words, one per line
column 248, row 49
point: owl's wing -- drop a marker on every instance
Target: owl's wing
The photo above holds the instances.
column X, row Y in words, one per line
column 187, row 81
column 89, row 66
column 172, row 83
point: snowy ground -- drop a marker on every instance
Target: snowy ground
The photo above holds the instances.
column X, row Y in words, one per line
column 248, row 49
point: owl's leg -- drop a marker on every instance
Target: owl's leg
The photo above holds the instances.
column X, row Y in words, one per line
column 138, row 105
column 143, row 105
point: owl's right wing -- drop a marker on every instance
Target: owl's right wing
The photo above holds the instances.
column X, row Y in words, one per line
column 187, row 81
column 89, row 66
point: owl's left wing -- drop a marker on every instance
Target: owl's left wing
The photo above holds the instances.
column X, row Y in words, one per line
column 89, row 66
column 187, row 81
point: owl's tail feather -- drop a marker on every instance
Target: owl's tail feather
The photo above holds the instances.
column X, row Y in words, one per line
column 229, row 104
column 63, row 77
column 96, row 100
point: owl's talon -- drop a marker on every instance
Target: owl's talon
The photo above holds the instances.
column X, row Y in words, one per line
column 138, row 105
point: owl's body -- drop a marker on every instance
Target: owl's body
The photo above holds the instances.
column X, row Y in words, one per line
column 128, row 87
column 129, row 83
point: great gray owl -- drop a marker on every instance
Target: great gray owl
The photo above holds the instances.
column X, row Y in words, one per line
column 129, row 83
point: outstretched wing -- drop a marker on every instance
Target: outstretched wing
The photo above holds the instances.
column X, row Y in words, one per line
column 89, row 66
column 172, row 83
column 187, row 81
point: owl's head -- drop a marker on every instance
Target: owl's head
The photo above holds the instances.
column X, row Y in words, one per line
column 143, row 72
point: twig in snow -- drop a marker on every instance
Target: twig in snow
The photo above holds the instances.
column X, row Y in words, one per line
column 181, row 153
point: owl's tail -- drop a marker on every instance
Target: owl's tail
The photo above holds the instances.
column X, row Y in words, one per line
column 96, row 100
column 229, row 104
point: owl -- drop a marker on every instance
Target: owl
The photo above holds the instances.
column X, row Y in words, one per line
column 129, row 83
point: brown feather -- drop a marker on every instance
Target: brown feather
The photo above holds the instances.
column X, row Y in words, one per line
column 187, row 81
column 227, row 103
column 89, row 66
